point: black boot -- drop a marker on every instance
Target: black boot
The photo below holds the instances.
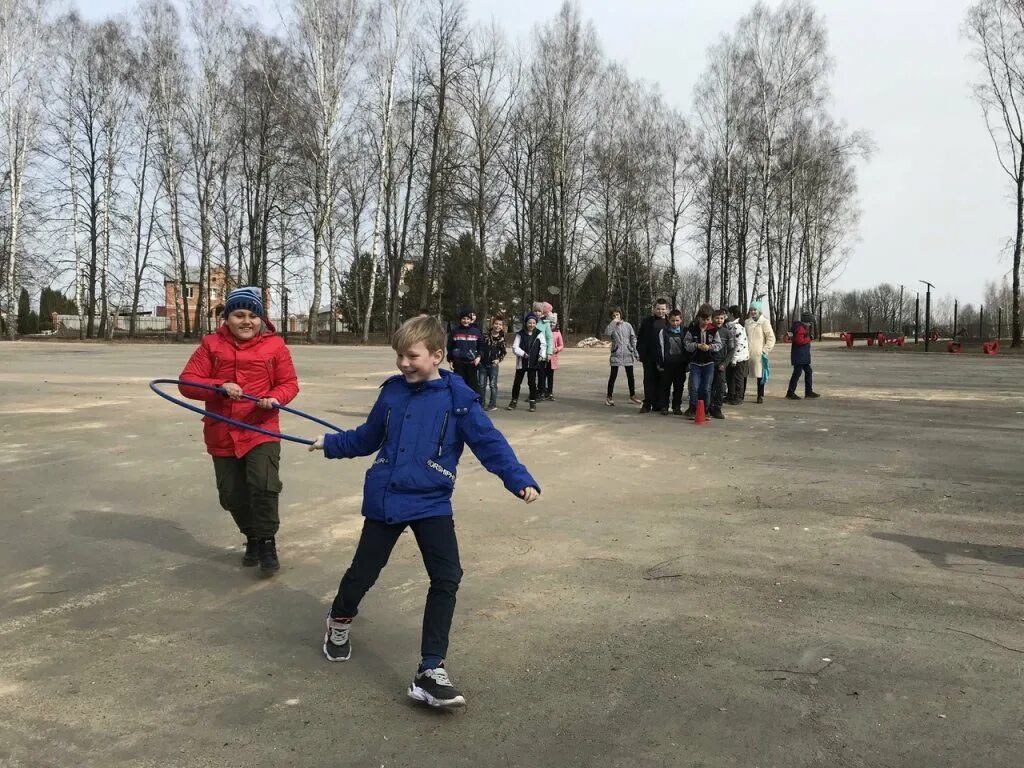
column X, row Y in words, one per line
column 268, row 555
column 252, row 552
column 511, row 406
column 792, row 396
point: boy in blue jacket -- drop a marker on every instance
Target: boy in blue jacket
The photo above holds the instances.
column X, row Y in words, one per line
column 418, row 427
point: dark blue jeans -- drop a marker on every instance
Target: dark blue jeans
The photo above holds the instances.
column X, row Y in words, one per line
column 795, row 378
column 439, row 548
column 488, row 380
column 701, row 378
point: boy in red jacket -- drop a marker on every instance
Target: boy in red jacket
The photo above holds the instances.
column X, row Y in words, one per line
column 245, row 357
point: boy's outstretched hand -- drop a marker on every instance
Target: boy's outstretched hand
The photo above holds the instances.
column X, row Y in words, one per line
column 318, row 445
column 528, row 495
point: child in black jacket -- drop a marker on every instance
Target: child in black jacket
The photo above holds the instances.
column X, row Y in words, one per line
column 464, row 348
column 492, row 353
column 672, row 361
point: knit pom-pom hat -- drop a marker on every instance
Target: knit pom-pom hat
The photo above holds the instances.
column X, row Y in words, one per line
column 247, row 297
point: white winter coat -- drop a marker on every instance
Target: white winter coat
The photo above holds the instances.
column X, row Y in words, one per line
column 742, row 346
column 760, row 338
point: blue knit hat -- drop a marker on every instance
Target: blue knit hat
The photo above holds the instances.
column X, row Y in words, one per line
column 247, row 297
column 529, row 316
column 465, row 312
column 757, row 305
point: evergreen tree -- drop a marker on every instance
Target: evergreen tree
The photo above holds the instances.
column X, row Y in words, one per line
column 51, row 301
column 24, row 307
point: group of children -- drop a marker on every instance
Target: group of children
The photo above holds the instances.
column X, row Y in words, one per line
column 718, row 350
column 477, row 356
column 418, row 427
column 422, row 420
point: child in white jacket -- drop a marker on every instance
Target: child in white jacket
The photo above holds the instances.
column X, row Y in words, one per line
column 736, row 373
column 530, row 350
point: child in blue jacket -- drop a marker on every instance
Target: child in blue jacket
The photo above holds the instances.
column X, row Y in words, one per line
column 418, row 427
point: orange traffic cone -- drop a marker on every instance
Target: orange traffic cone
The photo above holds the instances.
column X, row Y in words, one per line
column 700, row 418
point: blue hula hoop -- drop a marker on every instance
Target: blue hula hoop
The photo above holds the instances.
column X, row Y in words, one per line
column 236, row 422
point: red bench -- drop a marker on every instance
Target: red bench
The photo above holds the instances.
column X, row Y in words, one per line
column 850, row 336
column 991, row 347
column 883, row 339
column 872, row 337
column 954, row 347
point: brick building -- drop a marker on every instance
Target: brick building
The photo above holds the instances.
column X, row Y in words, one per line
column 214, row 294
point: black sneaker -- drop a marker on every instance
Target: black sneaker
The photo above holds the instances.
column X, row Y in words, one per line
column 336, row 644
column 690, row 413
column 677, row 411
column 533, row 406
column 268, row 555
column 511, row 406
column 716, row 413
column 434, row 687
column 792, row 396
column 760, row 399
column 252, row 550
column 492, row 407
column 549, row 397
column 663, row 411
column 811, row 396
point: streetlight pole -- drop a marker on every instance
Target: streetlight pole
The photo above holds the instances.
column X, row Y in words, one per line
column 927, row 313
column 899, row 324
column 917, row 315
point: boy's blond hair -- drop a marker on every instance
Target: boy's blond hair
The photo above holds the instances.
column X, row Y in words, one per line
column 417, row 329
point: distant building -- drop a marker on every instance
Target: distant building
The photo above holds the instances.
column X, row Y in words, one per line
column 219, row 285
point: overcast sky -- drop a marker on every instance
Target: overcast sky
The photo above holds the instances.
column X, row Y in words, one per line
column 936, row 206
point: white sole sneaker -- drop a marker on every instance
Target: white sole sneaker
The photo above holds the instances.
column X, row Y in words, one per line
column 418, row 694
column 327, row 637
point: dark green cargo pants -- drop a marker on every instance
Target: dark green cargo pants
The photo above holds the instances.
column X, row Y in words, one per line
column 249, row 488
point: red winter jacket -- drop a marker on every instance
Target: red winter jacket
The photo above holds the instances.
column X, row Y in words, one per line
column 261, row 366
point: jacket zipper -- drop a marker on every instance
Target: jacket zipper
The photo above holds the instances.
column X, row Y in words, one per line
column 387, row 425
column 444, row 429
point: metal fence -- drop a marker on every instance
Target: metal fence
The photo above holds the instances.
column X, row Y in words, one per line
column 143, row 323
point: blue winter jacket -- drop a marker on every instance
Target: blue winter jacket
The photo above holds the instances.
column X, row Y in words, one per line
column 418, row 432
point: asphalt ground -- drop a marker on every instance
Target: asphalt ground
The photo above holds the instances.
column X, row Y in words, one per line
column 827, row 583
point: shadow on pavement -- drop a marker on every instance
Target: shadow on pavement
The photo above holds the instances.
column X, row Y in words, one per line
column 938, row 551
column 162, row 534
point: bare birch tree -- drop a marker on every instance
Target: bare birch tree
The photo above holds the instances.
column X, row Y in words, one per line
column 486, row 94
column 787, row 50
column 389, row 37
column 23, row 68
column 163, row 64
column 325, row 31
column 996, row 28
